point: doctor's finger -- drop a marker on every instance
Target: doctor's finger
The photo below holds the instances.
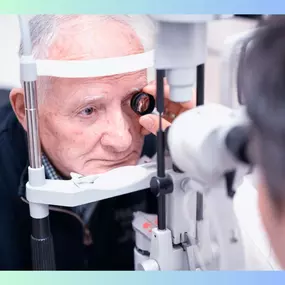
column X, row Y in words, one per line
column 151, row 123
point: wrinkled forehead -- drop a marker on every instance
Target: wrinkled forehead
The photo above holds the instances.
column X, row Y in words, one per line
column 94, row 38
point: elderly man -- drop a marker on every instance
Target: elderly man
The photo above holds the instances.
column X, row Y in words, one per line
column 87, row 127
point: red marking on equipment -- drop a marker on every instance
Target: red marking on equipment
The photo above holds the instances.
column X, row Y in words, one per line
column 146, row 225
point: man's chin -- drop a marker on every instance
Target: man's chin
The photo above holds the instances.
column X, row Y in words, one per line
column 103, row 168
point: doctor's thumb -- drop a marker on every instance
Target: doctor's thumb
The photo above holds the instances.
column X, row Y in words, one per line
column 151, row 123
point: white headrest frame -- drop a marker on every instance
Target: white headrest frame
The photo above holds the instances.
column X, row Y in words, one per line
column 96, row 67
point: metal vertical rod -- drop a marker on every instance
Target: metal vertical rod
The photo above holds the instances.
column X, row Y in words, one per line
column 200, row 101
column 41, row 239
column 32, row 124
column 160, row 149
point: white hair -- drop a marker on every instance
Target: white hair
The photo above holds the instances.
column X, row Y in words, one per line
column 44, row 28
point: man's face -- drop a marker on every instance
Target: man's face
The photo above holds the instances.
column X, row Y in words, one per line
column 87, row 125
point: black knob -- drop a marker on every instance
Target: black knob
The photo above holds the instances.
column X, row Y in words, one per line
column 161, row 185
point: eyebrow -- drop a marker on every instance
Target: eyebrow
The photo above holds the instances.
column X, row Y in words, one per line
column 89, row 99
column 96, row 98
column 133, row 91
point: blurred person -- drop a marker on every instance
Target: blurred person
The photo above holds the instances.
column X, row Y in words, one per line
column 262, row 86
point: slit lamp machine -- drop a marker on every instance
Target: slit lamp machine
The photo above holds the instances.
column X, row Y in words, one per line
column 199, row 163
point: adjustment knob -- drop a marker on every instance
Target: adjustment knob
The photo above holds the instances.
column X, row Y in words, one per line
column 161, row 185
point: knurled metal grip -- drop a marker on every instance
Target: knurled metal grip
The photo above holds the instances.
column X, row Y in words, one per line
column 43, row 248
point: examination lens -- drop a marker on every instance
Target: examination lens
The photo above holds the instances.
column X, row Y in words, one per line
column 142, row 103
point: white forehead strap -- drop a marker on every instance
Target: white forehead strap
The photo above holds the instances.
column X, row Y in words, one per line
column 96, row 67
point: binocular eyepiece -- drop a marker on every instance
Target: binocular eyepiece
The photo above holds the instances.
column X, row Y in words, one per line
column 142, row 103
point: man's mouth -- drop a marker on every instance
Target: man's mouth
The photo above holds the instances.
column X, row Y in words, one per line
column 117, row 161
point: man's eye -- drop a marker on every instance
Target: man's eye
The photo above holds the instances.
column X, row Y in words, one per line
column 87, row 111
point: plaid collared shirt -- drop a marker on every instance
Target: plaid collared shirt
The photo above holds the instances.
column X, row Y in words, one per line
column 84, row 211
column 49, row 169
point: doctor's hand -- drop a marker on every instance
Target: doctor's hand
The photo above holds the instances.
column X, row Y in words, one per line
column 150, row 122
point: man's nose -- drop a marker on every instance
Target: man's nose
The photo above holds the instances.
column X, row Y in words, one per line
column 117, row 134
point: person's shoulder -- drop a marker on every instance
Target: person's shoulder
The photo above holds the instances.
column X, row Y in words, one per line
column 8, row 121
column 13, row 149
column 5, row 113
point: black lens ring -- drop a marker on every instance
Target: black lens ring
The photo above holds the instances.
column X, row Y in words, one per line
column 135, row 100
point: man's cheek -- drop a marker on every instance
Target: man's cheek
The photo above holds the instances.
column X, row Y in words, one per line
column 134, row 122
column 137, row 132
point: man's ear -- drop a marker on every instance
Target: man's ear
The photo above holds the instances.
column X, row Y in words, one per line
column 17, row 101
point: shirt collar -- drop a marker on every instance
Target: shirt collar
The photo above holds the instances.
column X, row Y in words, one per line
column 49, row 169
column 50, row 173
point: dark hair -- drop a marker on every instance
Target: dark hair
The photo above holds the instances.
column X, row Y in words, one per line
column 261, row 82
